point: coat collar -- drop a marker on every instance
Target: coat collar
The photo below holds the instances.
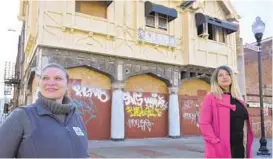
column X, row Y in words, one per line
column 42, row 109
column 49, row 107
column 225, row 102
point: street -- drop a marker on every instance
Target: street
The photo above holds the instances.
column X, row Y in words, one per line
column 186, row 147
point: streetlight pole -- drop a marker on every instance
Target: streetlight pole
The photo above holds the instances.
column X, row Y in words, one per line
column 258, row 29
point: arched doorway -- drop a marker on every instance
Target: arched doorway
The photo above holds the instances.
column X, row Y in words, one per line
column 146, row 107
column 91, row 95
column 191, row 94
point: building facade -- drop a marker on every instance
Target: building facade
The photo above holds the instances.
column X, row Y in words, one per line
column 138, row 69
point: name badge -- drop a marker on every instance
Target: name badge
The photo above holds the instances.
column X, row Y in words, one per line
column 78, row 131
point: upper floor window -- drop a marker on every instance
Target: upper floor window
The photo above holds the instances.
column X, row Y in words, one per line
column 157, row 20
column 158, row 16
column 217, row 33
column 93, row 8
column 214, row 28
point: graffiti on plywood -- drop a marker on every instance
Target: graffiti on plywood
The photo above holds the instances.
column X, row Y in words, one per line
column 190, row 111
column 143, row 124
column 89, row 92
column 139, row 106
column 144, row 109
column 85, row 109
column 87, row 99
column 138, row 99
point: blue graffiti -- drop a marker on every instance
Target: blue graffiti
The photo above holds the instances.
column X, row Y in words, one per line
column 83, row 108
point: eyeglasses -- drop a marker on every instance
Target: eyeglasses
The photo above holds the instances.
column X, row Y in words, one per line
column 223, row 75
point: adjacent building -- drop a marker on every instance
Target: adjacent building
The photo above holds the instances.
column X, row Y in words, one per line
column 138, row 69
column 252, row 84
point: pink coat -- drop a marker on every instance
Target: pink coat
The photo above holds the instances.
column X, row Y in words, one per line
column 215, row 127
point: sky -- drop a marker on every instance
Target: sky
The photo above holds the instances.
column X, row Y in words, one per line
column 247, row 9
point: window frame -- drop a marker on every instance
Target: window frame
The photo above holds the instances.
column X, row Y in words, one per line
column 205, row 29
column 157, row 16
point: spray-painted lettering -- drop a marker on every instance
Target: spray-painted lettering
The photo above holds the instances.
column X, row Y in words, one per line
column 86, row 91
column 187, row 104
column 140, row 111
column 137, row 99
column 143, row 124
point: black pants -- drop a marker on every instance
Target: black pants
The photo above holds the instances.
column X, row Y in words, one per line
column 236, row 146
column 237, row 151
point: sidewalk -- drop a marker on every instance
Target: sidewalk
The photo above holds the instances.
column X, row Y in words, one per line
column 186, row 147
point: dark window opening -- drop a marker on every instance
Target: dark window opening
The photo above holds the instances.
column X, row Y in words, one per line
column 192, row 74
column 200, row 30
column 211, row 32
column 184, row 74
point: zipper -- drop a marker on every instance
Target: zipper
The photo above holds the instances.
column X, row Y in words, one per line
column 70, row 138
column 64, row 124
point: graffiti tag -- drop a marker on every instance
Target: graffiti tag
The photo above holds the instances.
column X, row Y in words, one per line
column 140, row 111
column 143, row 124
column 187, row 104
column 84, row 108
column 86, row 91
column 137, row 99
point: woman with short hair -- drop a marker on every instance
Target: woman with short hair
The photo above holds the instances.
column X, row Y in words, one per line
column 224, row 119
column 49, row 128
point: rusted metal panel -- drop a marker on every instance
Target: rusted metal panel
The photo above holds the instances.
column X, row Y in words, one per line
column 94, row 105
column 146, row 115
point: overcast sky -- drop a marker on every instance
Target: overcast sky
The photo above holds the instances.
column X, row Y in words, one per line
column 247, row 9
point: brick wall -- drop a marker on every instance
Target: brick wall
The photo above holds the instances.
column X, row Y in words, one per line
column 256, row 122
column 251, row 72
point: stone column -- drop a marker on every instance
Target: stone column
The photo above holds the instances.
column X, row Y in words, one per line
column 173, row 116
column 117, row 112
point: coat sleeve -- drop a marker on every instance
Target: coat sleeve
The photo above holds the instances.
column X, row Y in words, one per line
column 206, row 118
column 11, row 133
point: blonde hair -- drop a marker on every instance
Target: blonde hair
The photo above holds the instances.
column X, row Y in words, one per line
column 234, row 87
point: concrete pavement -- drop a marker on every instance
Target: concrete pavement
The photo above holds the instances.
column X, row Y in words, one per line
column 185, row 147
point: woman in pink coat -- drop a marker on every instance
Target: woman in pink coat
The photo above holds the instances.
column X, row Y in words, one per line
column 224, row 119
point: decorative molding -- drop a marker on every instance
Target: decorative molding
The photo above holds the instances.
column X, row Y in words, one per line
column 109, row 65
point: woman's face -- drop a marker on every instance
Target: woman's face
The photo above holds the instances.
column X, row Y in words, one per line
column 53, row 83
column 224, row 79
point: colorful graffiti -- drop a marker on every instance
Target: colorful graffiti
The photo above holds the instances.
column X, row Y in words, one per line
column 94, row 105
column 140, row 111
column 84, row 108
column 83, row 99
column 144, row 109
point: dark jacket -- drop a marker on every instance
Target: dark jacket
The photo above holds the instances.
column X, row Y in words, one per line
column 35, row 132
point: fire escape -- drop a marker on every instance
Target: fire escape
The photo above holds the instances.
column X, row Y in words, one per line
column 11, row 82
